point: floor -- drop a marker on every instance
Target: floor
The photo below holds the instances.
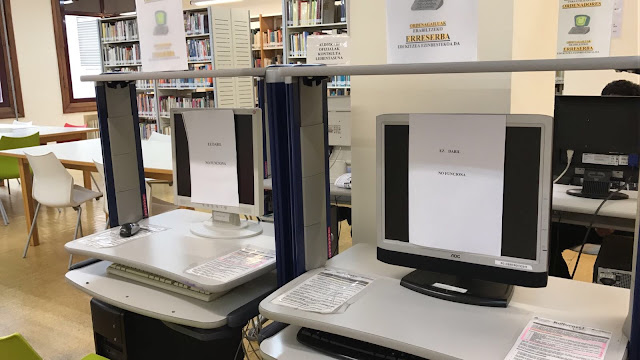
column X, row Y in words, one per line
column 35, row 299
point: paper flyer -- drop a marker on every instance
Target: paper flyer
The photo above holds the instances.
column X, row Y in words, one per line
column 427, row 31
column 584, row 28
column 328, row 49
column 234, row 265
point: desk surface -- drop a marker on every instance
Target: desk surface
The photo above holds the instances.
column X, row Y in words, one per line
column 155, row 154
column 284, row 346
column 396, row 317
column 625, row 209
column 169, row 253
column 25, row 130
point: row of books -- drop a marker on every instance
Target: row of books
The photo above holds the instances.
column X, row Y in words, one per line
column 315, row 12
column 268, row 61
column 166, row 130
column 146, row 105
column 123, row 30
column 196, row 23
column 189, row 83
column 147, row 129
column 340, row 81
column 340, row 92
column 270, row 38
column 196, row 100
column 122, row 55
column 199, row 50
column 298, row 43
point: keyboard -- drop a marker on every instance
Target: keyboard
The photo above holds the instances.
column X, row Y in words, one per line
column 346, row 348
column 158, row 281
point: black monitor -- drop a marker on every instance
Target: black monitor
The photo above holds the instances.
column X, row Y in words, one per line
column 603, row 133
column 465, row 276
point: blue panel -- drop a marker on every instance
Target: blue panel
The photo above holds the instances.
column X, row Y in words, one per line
column 325, row 120
column 261, row 105
column 634, row 341
column 136, row 122
column 101, row 100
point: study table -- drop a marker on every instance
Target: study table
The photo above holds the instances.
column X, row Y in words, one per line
column 614, row 214
column 47, row 133
column 390, row 315
column 170, row 253
column 79, row 155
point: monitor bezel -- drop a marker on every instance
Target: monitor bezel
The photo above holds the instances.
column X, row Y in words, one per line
column 515, row 271
column 255, row 209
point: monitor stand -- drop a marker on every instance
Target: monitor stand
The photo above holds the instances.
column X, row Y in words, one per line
column 598, row 196
column 226, row 226
column 458, row 289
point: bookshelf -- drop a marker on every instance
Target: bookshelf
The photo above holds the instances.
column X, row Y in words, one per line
column 208, row 32
column 268, row 41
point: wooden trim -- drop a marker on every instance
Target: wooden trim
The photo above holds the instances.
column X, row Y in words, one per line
column 8, row 111
column 69, row 104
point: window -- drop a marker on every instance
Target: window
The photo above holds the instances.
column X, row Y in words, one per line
column 75, row 26
column 10, row 93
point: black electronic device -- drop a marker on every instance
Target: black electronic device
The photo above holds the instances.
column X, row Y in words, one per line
column 596, row 133
column 345, row 348
column 597, row 185
column 129, row 229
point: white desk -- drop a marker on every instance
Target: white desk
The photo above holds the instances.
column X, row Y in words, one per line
column 47, row 133
column 393, row 316
column 285, row 346
column 169, row 253
column 614, row 214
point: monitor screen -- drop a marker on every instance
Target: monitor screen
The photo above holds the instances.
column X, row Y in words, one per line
column 244, row 151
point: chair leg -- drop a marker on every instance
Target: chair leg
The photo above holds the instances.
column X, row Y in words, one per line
column 5, row 218
column 107, row 226
column 95, row 183
column 70, row 262
column 78, row 222
column 33, row 225
column 9, row 186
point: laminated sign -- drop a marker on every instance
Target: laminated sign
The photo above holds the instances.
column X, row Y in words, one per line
column 584, row 28
column 421, row 31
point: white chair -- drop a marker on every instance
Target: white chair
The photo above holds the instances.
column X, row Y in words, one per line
column 53, row 186
column 100, row 167
column 26, row 123
column 156, row 136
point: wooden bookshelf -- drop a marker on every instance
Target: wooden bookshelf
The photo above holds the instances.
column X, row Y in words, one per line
column 268, row 41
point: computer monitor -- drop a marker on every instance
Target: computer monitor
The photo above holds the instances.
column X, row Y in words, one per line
column 603, row 134
column 225, row 221
column 465, row 276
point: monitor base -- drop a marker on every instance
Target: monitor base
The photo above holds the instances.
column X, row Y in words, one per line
column 458, row 289
column 229, row 228
column 615, row 196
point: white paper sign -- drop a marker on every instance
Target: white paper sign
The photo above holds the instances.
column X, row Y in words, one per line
column 328, row 49
column 236, row 264
column 425, row 31
column 212, row 157
column 456, row 182
column 618, row 11
column 544, row 339
column 162, row 36
column 584, row 28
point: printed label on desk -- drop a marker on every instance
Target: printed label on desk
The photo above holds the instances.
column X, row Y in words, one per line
column 234, row 265
column 325, row 292
column 111, row 237
column 544, row 339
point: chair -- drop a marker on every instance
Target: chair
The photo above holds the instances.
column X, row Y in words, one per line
column 157, row 137
column 67, row 125
column 100, row 167
column 9, row 166
column 15, row 347
column 53, row 186
column 26, row 123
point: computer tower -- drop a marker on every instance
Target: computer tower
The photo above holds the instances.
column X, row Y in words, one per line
column 614, row 263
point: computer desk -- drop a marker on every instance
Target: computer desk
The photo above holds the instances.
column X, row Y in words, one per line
column 169, row 253
column 390, row 315
column 617, row 214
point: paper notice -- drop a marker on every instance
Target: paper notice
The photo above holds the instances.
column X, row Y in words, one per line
column 212, row 157
column 111, row 237
column 618, row 11
column 544, row 339
column 324, row 292
column 235, row 265
column 584, row 28
column 456, row 182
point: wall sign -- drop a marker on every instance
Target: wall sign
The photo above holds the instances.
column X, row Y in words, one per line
column 328, row 49
column 584, row 28
column 162, row 36
column 421, row 31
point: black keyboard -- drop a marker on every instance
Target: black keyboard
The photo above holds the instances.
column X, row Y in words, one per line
column 346, row 348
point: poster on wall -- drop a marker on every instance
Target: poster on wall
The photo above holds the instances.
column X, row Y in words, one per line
column 162, row 36
column 584, row 28
column 426, row 31
column 328, row 49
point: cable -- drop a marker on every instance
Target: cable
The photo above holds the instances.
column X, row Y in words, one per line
column 569, row 159
column 336, row 159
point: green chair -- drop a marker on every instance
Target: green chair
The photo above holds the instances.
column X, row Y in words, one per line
column 15, row 347
column 9, row 166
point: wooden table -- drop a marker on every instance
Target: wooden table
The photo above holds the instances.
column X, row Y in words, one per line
column 47, row 133
column 80, row 155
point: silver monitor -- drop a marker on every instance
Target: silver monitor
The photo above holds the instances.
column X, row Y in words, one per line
column 467, row 276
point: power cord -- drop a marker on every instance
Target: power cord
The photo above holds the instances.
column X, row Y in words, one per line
column 569, row 159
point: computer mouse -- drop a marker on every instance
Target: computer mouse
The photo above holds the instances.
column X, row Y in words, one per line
column 129, row 229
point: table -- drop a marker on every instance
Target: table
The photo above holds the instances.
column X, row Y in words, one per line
column 390, row 315
column 79, row 155
column 47, row 133
column 616, row 214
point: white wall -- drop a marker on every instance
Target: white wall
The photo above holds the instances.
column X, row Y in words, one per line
column 372, row 96
column 38, row 65
column 592, row 82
